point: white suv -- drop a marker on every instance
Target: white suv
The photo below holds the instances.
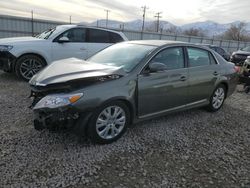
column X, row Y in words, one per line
column 27, row 55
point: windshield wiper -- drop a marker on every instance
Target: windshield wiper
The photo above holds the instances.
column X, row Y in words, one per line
column 51, row 31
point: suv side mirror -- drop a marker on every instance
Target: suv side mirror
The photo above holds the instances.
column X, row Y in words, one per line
column 63, row 39
column 157, row 67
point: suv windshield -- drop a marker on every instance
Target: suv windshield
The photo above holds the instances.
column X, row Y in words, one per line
column 247, row 49
column 46, row 34
column 123, row 55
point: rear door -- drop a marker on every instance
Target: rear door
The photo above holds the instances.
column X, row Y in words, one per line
column 162, row 91
column 75, row 47
column 99, row 39
column 203, row 72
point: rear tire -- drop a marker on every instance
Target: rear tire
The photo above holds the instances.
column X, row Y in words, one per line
column 28, row 65
column 108, row 123
column 217, row 99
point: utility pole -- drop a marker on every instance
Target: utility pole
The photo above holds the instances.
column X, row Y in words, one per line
column 107, row 17
column 32, row 22
column 144, row 8
column 122, row 26
column 158, row 20
column 70, row 19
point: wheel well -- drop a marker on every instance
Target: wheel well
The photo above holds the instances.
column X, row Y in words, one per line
column 127, row 103
column 226, row 86
column 14, row 64
column 130, row 107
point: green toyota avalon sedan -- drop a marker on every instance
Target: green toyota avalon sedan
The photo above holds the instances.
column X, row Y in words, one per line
column 129, row 82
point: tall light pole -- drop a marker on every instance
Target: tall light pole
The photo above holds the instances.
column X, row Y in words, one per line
column 143, row 16
column 107, row 17
column 70, row 19
column 158, row 20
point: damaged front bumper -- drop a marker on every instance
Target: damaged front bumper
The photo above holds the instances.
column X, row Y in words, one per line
column 52, row 119
column 7, row 61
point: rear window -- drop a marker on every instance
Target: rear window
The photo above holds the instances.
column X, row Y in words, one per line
column 198, row 57
column 101, row 36
column 114, row 37
column 98, row 36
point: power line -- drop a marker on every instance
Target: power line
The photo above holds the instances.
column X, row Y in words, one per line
column 158, row 20
column 107, row 17
column 144, row 8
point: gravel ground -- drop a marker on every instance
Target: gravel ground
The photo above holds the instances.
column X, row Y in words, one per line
column 188, row 149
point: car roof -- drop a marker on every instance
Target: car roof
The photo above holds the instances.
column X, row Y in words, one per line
column 160, row 43
column 156, row 42
column 209, row 45
column 89, row 27
column 69, row 26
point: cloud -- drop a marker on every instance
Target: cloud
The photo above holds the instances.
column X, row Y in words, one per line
column 176, row 11
column 226, row 11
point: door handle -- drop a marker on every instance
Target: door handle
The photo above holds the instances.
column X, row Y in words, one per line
column 82, row 48
column 215, row 73
column 183, row 78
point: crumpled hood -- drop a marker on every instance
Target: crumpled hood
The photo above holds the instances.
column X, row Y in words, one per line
column 12, row 41
column 72, row 69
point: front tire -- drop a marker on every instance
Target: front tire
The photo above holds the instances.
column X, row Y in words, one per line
column 217, row 99
column 28, row 65
column 108, row 123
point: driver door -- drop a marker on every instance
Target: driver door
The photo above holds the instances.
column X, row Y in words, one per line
column 75, row 47
column 166, row 90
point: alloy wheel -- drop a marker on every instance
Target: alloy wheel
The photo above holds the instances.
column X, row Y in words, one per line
column 218, row 98
column 30, row 67
column 110, row 122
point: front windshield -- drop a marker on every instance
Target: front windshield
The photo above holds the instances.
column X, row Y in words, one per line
column 46, row 34
column 247, row 49
column 123, row 55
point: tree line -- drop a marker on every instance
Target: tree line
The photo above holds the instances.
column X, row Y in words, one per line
column 236, row 31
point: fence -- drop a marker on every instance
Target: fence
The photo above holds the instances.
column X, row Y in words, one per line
column 228, row 45
column 11, row 26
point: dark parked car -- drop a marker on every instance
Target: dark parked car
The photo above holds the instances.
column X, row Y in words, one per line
column 219, row 50
column 240, row 56
column 127, row 83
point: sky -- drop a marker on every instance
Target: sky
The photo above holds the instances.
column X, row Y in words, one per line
column 178, row 12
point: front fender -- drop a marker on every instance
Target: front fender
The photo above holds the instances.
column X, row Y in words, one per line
column 99, row 94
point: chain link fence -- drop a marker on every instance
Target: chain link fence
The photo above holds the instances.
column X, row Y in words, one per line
column 11, row 26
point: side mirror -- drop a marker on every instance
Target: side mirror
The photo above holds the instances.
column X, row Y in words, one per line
column 63, row 39
column 157, row 67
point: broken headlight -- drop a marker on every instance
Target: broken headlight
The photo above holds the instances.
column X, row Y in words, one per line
column 58, row 100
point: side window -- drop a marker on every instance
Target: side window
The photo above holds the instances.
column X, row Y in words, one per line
column 114, row 37
column 75, row 35
column 98, row 36
column 197, row 57
column 172, row 57
column 212, row 60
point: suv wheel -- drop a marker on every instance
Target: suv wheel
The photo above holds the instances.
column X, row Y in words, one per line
column 217, row 99
column 108, row 123
column 28, row 65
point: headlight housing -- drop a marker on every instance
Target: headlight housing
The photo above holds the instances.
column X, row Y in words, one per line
column 58, row 100
column 4, row 48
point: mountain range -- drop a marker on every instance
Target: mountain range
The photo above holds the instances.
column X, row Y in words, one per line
column 209, row 27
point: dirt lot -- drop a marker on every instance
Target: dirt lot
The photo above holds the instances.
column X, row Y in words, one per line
column 188, row 149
